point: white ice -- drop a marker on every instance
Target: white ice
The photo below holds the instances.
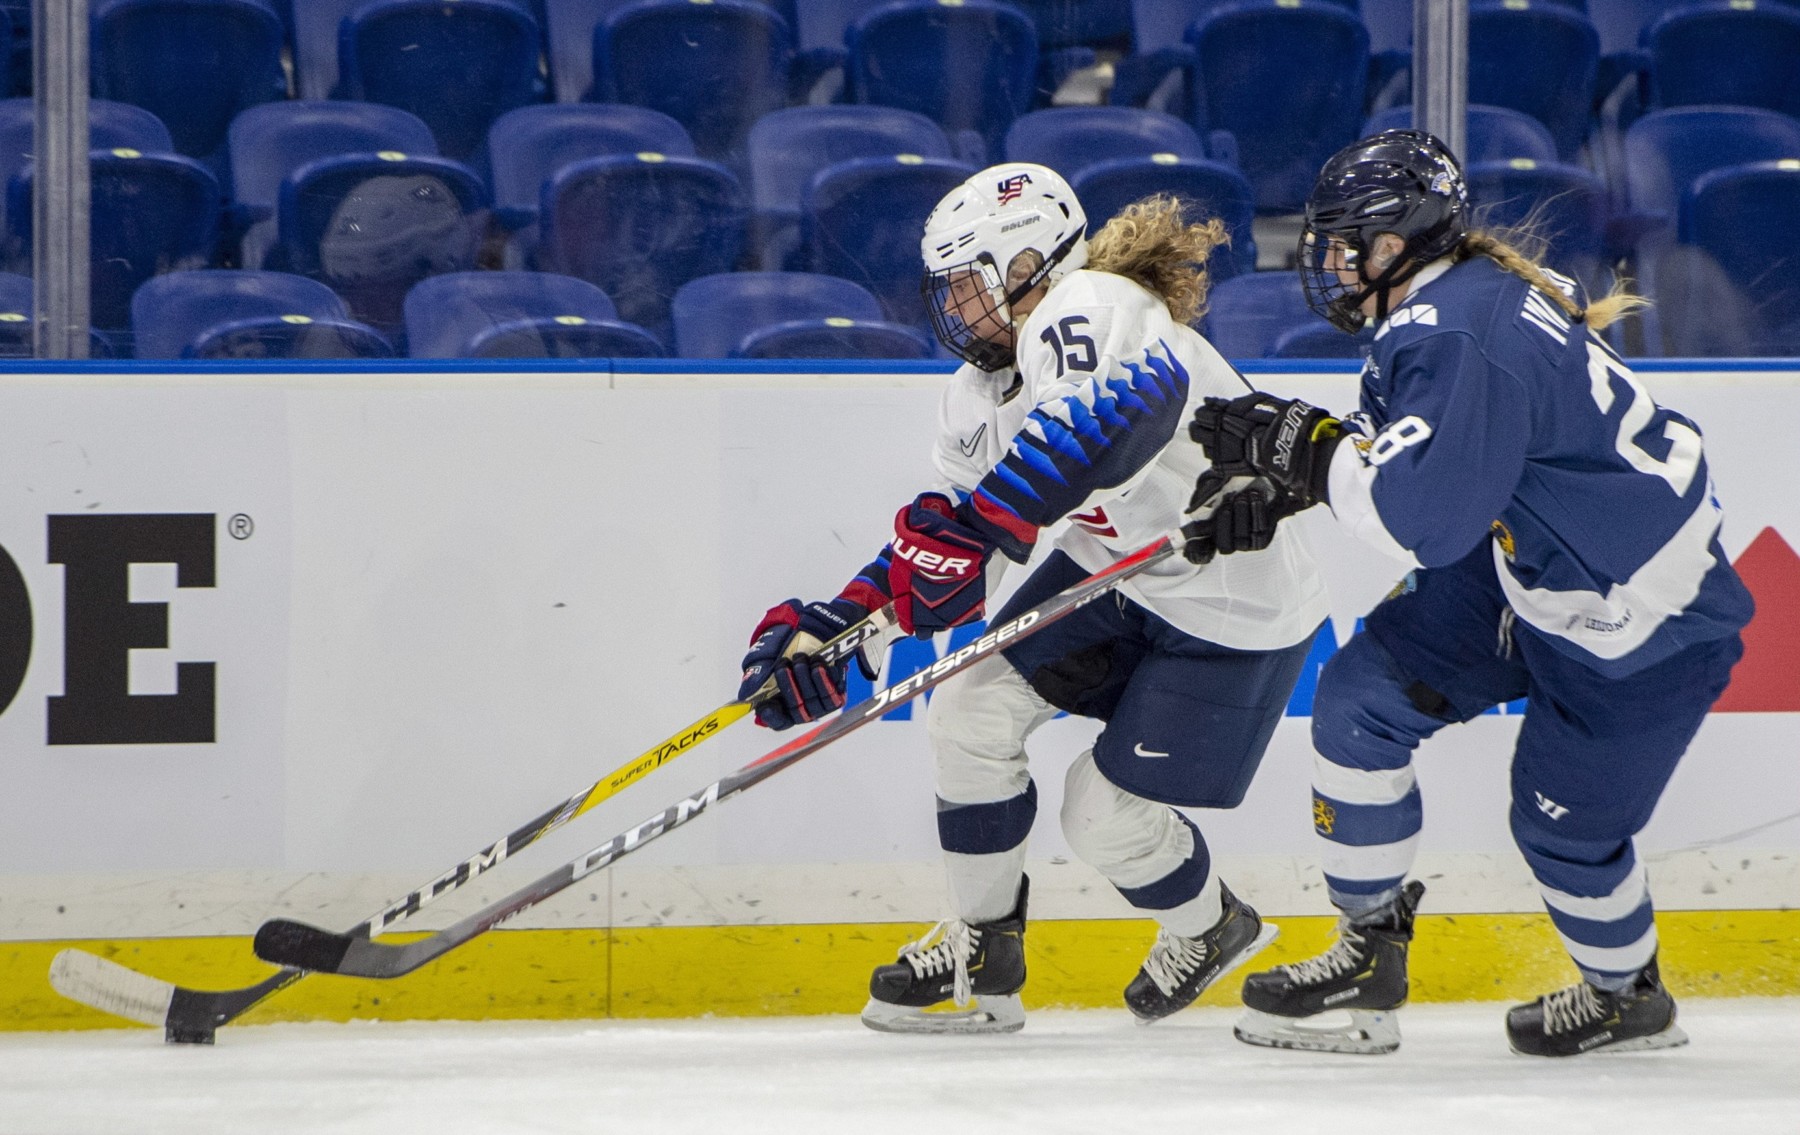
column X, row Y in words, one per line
column 1091, row 1073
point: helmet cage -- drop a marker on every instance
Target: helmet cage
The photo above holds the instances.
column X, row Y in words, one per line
column 1398, row 181
column 955, row 332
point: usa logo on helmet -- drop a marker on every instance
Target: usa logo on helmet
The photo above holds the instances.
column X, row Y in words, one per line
column 1013, row 187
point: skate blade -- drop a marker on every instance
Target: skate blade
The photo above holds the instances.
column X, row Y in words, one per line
column 1368, row 1032
column 1671, row 1037
column 987, row 1014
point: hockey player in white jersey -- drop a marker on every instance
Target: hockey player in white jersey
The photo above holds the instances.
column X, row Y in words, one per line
column 1081, row 370
column 1565, row 534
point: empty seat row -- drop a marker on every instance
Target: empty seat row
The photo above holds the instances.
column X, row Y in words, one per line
column 1272, row 87
column 491, row 315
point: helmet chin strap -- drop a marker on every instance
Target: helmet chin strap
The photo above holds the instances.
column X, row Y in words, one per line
column 1399, row 270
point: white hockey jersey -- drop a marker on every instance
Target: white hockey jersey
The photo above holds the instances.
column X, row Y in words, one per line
column 1092, row 428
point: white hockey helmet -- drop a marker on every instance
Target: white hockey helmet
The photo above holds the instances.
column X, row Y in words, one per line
column 980, row 228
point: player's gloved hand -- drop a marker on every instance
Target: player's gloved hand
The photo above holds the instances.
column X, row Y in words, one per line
column 939, row 569
column 1284, row 439
column 1236, row 514
column 805, row 689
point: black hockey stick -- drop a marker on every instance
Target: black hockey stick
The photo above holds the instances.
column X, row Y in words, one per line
column 291, row 943
column 191, row 1016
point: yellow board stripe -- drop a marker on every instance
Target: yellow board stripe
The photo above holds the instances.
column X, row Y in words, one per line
column 747, row 971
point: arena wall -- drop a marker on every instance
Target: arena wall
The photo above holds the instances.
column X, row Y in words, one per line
column 291, row 642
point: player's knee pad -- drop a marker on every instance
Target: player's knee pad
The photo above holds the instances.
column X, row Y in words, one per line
column 1121, row 835
column 978, row 723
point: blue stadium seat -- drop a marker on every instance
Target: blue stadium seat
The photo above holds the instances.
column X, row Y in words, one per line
column 111, row 126
column 1737, row 288
column 835, row 338
column 1493, row 133
column 1287, row 82
column 569, row 27
column 517, row 315
column 7, row 61
column 531, row 339
column 1207, row 188
column 713, row 314
column 193, row 63
column 1726, row 54
column 457, row 66
column 861, row 220
column 152, row 213
column 640, row 228
column 1541, row 60
column 1068, row 139
column 371, row 226
column 280, row 337
column 787, row 149
column 715, row 67
column 1320, row 341
column 271, row 141
column 526, row 146
column 172, row 314
column 1665, row 150
column 1161, row 53
column 1564, row 205
column 971, row 67
column 1247, row 314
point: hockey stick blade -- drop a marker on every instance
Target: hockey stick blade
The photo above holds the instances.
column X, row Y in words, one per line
column 190, row 1016
column 296, row 944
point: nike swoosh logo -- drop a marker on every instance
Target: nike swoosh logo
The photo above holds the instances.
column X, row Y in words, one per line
column 1143, row 752
column 968, row 447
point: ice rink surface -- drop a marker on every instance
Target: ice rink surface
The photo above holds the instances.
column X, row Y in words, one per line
column 1086, row 1072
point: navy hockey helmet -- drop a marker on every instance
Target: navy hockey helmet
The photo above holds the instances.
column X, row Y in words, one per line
column 1404, row 182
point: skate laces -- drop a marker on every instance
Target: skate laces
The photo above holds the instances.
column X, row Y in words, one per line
column 1568, row 1009
column 1345, row 955
column 1172, row 958
column 947, row 946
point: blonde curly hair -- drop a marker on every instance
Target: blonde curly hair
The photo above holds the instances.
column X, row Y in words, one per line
column 1152, row 243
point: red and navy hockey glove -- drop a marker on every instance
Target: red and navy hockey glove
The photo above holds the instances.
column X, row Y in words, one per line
column 780, row 649
column 938, row 572
column 1283, row 439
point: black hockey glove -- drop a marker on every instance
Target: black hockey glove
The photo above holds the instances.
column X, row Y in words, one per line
column 1237, row 516
column 1285, row 440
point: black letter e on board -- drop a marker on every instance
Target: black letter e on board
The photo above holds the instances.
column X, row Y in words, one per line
column 101, row 626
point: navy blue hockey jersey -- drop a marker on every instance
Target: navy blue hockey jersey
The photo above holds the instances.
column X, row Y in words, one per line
column 1487, row 415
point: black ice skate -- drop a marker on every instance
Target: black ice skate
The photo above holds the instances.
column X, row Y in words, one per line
column 977, row 968
column 1179, row 969
column 1364, row 973
column 1583, row 1018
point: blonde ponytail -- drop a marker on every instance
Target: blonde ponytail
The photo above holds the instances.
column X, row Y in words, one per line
column 1518, row 251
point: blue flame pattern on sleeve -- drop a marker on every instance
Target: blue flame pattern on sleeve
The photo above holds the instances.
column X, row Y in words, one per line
column 1096, row 438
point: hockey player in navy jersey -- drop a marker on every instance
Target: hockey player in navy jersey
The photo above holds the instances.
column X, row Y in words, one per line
column 1081, row 371
column 1564, row 535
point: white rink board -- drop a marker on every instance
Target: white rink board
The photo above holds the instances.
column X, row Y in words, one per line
column 466, row 596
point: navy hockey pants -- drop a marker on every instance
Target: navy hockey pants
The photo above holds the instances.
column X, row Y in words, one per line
column 1186, row 720
column 1592, row 758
